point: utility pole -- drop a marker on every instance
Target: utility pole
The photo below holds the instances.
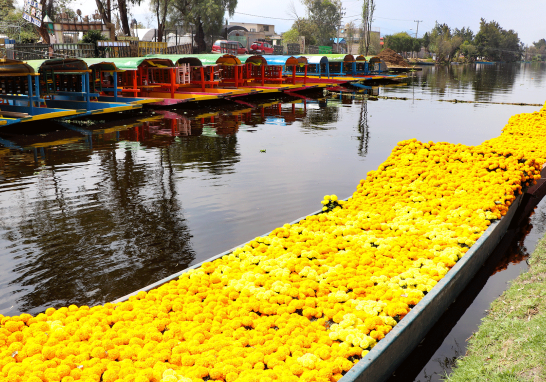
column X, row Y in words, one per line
column 417, row 30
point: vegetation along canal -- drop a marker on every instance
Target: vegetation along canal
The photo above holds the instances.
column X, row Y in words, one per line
column 93, row 212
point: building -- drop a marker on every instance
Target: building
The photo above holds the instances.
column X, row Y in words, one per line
column 267, row 29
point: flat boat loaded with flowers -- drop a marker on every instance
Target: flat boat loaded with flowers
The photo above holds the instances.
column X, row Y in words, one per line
column 308, row 300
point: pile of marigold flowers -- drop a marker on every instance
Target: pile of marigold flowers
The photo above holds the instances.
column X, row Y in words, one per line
column 305, row 302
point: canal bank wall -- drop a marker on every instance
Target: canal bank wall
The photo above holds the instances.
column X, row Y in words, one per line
column 509, row 344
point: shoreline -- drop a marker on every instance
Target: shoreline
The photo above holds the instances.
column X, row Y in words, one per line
column 509, row 344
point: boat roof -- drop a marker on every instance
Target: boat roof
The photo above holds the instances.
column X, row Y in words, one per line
column 11, row 68
column 132, row 63
column 60, row 65
column 336, row 57
column 360, row 58
column 285, row 60
column 205, row 59
column 318, row 59
column 103, row 64
column 255, row 60
column 228, row 59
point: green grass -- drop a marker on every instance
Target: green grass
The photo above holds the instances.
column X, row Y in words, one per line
column 510, row 344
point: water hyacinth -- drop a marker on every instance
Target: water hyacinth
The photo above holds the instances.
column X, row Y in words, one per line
column 305, row 302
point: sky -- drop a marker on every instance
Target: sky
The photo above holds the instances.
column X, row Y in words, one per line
column 391, row 16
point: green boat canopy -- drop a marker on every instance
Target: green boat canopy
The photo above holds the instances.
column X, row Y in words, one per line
column 104, row 64
column 132, row 63
column 59, row 65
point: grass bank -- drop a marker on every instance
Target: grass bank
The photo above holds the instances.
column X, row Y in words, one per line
column 510, row 345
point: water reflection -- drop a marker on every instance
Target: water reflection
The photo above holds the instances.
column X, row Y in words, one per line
column 86, row 242
column 478, row 83
column 94, row 211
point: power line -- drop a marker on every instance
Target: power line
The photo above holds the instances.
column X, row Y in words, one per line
column 263, row 17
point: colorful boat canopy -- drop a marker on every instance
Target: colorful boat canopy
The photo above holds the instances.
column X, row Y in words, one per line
column 360, row 58
column 15, row 68
column 228, row 59
column 104, row 64
column 284, row 61
column 336, row 57
column 132, row 63
column 318, row 59
column 205, row 59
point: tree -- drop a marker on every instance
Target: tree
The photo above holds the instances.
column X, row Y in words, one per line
column 426, row 41
column 465, row 33
column 399, row 42
column 497, row 44
column 291, row 36
column 160, row 8
column 92, row 36
column 468, row 50
column 6, row 6
column 325, row 16
column 307, row 29
column 368, row 8
column 206, row 15
column 105, row 11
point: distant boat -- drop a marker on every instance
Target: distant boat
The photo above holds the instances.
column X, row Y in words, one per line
column 485, row 62
column 424, row 63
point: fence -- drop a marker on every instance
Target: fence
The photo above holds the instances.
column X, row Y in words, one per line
column 278, row 49
column 28, row 52
column 314, row 49
column 145, row 47
column 113, row 49
column 73, row 50
column 103, row 49
column 179, row 49
column 293, row 49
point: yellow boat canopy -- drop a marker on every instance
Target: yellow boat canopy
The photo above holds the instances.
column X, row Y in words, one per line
column 15, row 68
column 228, row 59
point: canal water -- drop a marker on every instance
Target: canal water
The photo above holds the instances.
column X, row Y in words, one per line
column 93, row 210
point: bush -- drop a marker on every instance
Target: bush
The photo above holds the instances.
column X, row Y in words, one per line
column 93, row 36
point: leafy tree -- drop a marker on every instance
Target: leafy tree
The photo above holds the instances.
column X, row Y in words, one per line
column 443, row 42
column 540, row 44
column 291, row 36
column 465, row 33
column 305, row 28
column 399, row 42
column 92, row 36
column 468, row 50
column 426, row 41
column 206, row 16
column 26, row 33
column 497, row 44
column 325, row 16
column 6, row 6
